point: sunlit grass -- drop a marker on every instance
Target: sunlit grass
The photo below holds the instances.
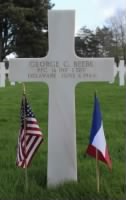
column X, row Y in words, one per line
column 12, row 183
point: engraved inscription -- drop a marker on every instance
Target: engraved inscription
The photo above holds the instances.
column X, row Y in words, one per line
column 63, row 70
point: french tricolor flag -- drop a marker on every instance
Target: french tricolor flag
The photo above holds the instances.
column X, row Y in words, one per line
column 97, row 137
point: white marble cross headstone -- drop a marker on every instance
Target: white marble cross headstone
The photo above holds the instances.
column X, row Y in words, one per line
column 7, row 73
column 61, row 69
column 2, row 74
column 115, row 68
column 122, row 72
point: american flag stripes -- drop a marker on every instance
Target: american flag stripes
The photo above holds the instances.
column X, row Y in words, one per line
column 30, row 135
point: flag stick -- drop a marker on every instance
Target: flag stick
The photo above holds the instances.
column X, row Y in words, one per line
column 97, row 166
column 125, row 151
column 26, row 174
column 97, row 172
column 24, row 89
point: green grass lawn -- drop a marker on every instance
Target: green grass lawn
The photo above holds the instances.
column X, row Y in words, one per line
column 113, row 103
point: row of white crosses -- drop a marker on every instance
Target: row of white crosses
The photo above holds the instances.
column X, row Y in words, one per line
column 3, row 73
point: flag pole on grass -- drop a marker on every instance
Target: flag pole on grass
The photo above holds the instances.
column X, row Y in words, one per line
column 30, row 136
column 25, row 160
column 97, row 172
column 97, row 145
column 97, row 167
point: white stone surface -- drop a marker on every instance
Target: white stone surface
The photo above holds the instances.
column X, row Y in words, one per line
column 115, row 71
column 7, row 73
column 2, row 74
column 61, row 69
column 115, row 68
column 122, row 71
column 12, row 83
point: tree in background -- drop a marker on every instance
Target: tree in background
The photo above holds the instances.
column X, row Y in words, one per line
column 98, row 43
column 86, row 43
column 105, row 38
column 117, row 24
column 108, row 41
column 23, row 27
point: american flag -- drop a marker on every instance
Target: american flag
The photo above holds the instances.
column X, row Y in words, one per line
column 30, row 135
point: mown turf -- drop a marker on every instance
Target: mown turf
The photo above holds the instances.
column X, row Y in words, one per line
column 113, row 102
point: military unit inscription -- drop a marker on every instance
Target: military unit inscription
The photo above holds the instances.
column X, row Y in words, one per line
column 63, row 70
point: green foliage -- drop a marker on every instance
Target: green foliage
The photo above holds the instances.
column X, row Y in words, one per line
column 87, row 44
column 106, row 40
column 12, row 184
column 98, row 43
column 23, row 27
column 117, row 24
